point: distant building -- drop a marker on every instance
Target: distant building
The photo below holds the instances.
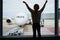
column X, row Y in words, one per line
column 59, row 12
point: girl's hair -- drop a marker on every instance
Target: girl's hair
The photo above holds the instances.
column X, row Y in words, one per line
column 36, row 6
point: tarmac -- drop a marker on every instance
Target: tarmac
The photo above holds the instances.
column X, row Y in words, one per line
column 27, row 30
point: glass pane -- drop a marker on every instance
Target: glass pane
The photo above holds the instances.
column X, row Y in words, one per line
column 17, row 20
column 59, row 16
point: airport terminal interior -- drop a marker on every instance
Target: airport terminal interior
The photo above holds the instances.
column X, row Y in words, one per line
column 17, row 21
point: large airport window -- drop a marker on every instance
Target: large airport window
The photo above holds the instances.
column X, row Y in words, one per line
column 59, row 17
column 17, row 20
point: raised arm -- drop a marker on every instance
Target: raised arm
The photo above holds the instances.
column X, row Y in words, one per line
column 43, row 7
column 27, row 6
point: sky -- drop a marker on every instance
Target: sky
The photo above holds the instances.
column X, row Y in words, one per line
column 13, row 7
column 59, row 3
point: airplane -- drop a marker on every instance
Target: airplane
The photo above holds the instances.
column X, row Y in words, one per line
column 18, row 31
column 20, row 20
column 29, row 22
